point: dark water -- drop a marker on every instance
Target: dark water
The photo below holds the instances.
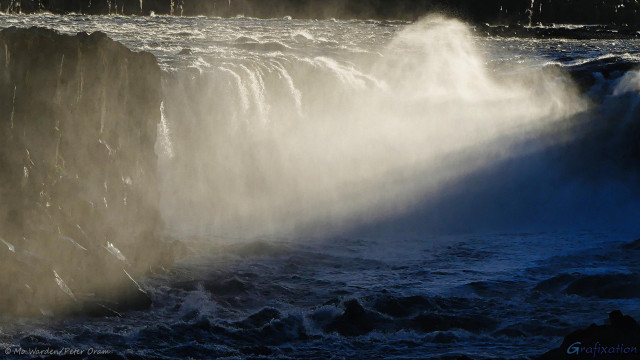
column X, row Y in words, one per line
column 433, row 297
column 440, row 270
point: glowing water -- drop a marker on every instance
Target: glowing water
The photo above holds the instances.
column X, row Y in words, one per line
column 281, row 125
column 285, row 141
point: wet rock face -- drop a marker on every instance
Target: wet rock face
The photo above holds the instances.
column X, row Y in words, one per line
column 619, row 339
column 78, row 198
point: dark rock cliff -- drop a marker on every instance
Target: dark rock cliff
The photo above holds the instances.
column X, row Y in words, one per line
column 492, row 11
column 78, row 194
column 619, row 339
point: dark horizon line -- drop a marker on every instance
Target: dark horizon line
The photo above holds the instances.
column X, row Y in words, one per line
column 495, row 12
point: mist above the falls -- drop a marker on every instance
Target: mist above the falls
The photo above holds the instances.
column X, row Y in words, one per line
column 298, row 143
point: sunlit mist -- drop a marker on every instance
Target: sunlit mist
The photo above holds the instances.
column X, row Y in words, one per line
column 287, row 142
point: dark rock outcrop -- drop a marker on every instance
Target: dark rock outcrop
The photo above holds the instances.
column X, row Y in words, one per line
column 436, row 322
column 357, row 320
column 260, row 319
column 78, row 194
column 602, row 31
column 585, row 75
column 635, row 245
column 404, row 306
column 605, row 286
column 620, row 340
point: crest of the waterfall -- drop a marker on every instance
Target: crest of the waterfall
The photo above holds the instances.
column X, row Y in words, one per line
column 287, row 141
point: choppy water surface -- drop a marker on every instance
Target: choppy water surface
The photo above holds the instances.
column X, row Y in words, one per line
column 239, row 38
column 283, row 299
column 382, row 282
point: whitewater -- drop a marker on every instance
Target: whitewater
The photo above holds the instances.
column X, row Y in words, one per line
column 368, row 189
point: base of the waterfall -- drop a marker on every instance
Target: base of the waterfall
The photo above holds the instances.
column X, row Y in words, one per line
column 476, row 296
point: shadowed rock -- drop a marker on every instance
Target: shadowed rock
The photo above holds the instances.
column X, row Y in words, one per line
column 356, row 320
column 259, row 319
column 403, row 306
column 620, row 340
column 435, row 322
column 632, row 245
column 508, row 12
column 78, row 197
column 603, row 31
column 605, row 286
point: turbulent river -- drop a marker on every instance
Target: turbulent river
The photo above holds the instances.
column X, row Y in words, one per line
column 365, row 189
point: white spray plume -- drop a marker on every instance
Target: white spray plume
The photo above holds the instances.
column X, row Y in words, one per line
column 289, row 143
